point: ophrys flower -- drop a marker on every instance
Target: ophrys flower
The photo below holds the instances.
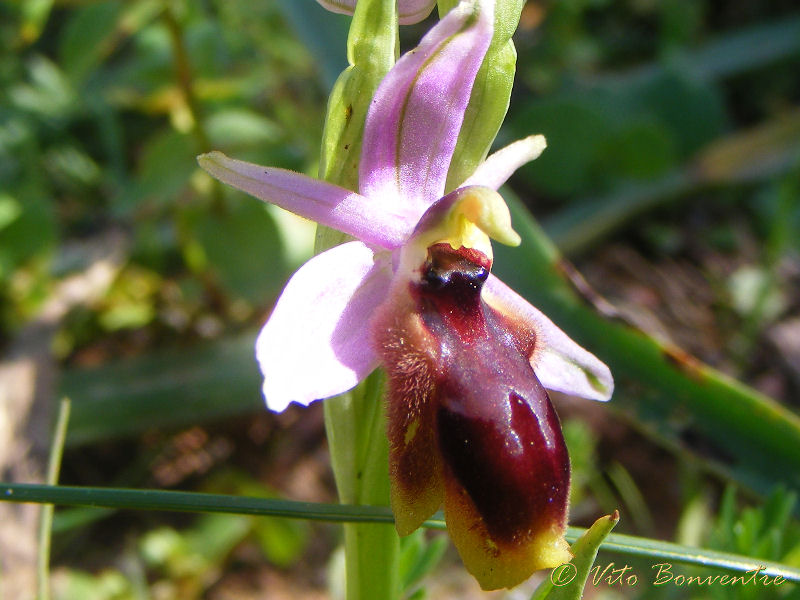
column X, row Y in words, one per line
column 470, row 424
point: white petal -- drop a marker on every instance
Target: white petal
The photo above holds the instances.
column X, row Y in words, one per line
column 316, row 343
column 498, row 167
column 559, row 363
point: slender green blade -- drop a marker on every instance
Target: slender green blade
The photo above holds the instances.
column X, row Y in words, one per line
column 344, row 513
column 46, row 515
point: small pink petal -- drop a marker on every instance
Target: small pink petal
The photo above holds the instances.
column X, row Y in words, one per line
column 372, row 220
column 559, row 363
column 417, row 112
column 316, row 343
column 496, row 169
column 410, row 11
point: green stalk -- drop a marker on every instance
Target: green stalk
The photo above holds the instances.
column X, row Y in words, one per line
column 355, row 422
column 356, row 427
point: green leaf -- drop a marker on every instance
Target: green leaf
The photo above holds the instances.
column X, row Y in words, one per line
column 240, row 127
column 49, row 95
column 320, row 31
column 244, row 250
column 10, row 209
column 86, row 38
column 418, row 557
column 282, row 541
column 167, row 163
column 765, row 531
column 747, row 49
column 35, row 14
column 577, row 133
column 692, row 109
column 582, row 445
column 568, row 580
column 32, row 231
column 162, row 389
column 108, row 585
column 581, row 224
column 641, row 149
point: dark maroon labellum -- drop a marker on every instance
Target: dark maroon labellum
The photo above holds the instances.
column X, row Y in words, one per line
column 497, row 431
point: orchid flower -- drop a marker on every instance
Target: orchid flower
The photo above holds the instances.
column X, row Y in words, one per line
column 410, row 11
column 470, row 424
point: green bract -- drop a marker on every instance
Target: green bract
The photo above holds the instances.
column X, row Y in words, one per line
column 371, row 52
column 490, row 94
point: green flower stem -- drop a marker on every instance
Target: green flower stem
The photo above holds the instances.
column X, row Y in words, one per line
column 355, row 421
column 356, row 427
column 116, row 498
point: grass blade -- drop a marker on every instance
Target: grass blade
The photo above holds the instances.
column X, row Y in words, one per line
column 46, row 514
column 343, row 513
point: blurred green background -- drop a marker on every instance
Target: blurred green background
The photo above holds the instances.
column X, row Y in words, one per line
column 672, row 179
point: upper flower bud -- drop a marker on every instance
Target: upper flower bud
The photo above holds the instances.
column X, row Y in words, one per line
column 409, row 11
